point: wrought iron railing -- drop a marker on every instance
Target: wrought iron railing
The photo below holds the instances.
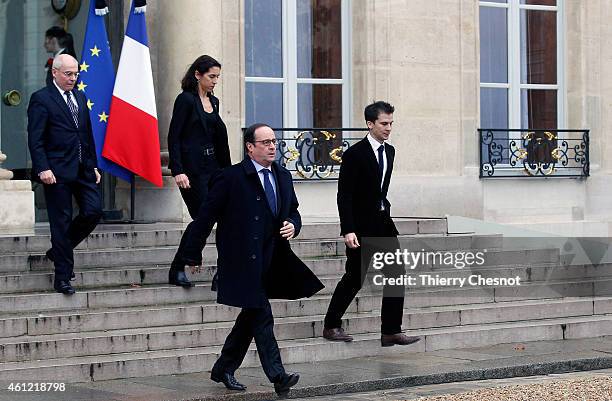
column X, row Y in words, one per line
column 506, row 153
column 314, row 154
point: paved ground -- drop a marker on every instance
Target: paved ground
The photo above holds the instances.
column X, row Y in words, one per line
column 495, row 389
column 391, row 370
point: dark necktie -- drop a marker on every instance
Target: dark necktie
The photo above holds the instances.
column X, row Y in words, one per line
column 72, row 107
column 381, row 163
column 269, row 190
column 75, row 117
column 381, row 168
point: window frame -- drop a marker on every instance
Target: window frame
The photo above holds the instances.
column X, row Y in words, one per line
column 514, row 86
column 290, row 80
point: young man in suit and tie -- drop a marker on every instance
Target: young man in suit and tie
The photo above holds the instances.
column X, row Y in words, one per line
column 64, row 159
column 365, row 213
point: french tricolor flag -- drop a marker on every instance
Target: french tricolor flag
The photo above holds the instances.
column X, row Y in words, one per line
column 132, row 136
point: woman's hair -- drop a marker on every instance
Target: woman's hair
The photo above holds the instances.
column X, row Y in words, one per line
column 202, row 64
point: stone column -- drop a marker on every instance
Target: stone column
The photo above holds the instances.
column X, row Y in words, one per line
column 431, row 77
column 16, row 201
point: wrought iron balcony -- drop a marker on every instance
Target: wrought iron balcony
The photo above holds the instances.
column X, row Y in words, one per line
column 507, row 153
column 314, row 154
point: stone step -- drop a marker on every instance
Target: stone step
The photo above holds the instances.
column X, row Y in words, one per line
column 90, row 319
column 93, row 277
column 155, row 256
column 83, row 320
column 86, row 320
column 121, row 257
column 168, row 234
column 452, row 294
column 438, row 294
column 118, row 297
column 199, row 359
column 30, row 347
column 105, row 298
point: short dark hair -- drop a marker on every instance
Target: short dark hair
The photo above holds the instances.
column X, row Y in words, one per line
column 67, row 42
column 249, row 133
column 372, row 111
column 55, row 32
column 202, row 64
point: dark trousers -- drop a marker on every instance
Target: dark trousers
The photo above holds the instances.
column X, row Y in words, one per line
column 252, row 323
column 195, row 195
column 357, row 263
column 67, row 233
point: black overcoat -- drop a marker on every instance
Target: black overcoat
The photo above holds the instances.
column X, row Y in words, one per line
column 254, row 262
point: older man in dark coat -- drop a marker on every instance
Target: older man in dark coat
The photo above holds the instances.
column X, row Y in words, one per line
column 255, row 208
column 64, row 159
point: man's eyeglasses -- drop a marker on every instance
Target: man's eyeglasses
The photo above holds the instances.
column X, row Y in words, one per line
column 267, row 142
column 70, row 74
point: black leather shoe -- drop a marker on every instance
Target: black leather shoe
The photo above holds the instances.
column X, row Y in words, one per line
column 51, row 257
column 229, row 380
column 179, row 278
column 283, row 386
column 64, row 287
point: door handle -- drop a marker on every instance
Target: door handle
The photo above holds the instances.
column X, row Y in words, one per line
column 11, row 98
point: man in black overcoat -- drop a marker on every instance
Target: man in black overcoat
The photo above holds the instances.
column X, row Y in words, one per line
column 255, row 208
column 367, row 227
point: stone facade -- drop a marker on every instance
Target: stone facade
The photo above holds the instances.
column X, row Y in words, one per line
column 423, row 57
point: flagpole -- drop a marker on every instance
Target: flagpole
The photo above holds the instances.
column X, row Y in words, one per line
column 132, row 198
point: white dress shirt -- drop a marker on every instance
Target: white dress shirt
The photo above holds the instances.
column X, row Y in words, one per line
column 375, row 145
column 261, row 175
column 72, row 97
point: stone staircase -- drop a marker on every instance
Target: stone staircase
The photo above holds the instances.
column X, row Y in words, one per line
column 126, row 321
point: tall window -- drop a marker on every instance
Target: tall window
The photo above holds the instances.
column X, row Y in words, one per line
column 297, row 63
column 521, row 64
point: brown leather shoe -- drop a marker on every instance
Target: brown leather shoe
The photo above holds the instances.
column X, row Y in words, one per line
column 389, row 340
column 336, row 334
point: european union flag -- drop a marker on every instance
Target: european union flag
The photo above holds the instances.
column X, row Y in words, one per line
column 96, row 80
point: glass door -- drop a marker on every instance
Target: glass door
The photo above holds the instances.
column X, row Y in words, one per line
column 23, row 61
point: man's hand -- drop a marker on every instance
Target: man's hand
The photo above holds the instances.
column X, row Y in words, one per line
column 182, row 181
column 350, row 240
column 98, row 176
column 287, row 231
column 47, row 177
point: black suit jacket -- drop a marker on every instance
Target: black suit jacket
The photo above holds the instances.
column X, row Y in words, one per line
column 360, row 193
column 53, row 137
column 254, row 262
column 188, row 137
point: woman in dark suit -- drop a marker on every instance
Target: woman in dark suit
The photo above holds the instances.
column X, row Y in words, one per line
column 197, row 141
